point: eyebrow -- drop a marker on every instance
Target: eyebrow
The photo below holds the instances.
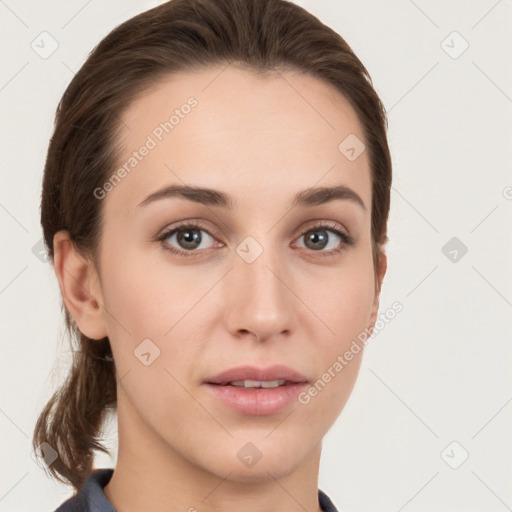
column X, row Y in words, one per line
column 210, row 197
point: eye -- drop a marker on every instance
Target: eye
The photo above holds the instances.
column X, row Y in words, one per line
column 191, row 239
column 187, row 238
column 326, row 239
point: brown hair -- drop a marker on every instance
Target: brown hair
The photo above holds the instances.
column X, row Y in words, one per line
column 179, row 35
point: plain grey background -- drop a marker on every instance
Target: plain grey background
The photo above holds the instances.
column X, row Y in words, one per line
column 428, row 424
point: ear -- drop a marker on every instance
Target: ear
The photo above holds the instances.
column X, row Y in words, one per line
column 79, row 287
column 382, row 265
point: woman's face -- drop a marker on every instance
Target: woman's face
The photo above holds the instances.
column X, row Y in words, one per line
column 258, row 277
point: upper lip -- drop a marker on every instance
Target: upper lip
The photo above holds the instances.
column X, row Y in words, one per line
column 275, row 372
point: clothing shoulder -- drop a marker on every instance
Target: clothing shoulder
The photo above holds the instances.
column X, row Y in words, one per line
column 326, row 505
column 90, row 497
column 73, row 504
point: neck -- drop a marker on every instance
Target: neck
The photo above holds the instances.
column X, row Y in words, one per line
column 152, row 476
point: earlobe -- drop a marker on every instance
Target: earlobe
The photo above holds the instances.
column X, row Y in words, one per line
column 381, row 271
column 76, row 277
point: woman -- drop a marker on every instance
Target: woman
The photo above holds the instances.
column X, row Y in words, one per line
column 215, row 201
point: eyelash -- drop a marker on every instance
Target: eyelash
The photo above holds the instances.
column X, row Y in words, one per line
column 347, row 240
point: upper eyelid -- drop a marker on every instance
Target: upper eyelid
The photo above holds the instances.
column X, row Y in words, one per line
column 312, row 224
column 167, row 231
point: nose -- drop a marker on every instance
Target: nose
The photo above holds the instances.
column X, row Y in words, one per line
column 259, row 301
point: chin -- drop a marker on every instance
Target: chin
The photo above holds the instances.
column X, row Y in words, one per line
column 248, row 463
column 261, row 471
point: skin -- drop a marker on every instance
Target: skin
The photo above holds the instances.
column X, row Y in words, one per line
column 261, row 141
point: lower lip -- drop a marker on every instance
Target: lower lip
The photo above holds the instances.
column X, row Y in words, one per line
column 257, row 401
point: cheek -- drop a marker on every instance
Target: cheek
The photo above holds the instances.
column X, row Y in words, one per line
column 346, row 307
column 135, row 293
column 347, row 316
column 342, row 298
column 147, row 326
column 344, row 304
column 157, row 303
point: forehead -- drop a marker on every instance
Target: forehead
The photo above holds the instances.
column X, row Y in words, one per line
column 240, row 131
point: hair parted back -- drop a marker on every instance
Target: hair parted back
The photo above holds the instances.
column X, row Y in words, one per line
column 179, row 35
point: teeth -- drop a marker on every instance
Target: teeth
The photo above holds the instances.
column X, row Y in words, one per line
column 258, row 383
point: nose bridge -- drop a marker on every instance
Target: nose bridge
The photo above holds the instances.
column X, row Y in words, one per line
column 258, row 300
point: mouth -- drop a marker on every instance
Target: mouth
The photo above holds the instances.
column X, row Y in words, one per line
column 255, row 384
column 253, row 377
column 253, row 391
